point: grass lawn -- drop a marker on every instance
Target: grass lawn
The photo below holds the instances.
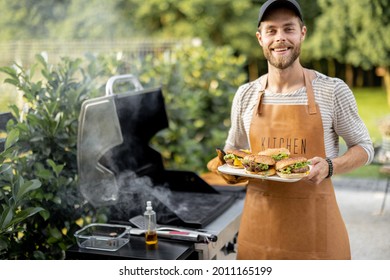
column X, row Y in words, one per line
column 372, row 106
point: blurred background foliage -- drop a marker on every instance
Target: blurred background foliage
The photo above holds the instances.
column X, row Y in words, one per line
column 198, row 51
column 347, row 38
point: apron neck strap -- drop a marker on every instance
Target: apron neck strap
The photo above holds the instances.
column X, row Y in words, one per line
column 309, row 91
column 263, row 85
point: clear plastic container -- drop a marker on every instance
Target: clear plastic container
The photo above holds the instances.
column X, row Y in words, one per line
column 106, row 237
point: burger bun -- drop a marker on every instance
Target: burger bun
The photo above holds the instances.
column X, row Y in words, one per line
column 292, row 175
column 268, row 172
column 235, row 166
column 275, row 151
column 260, row 159
column 238, row 153
column 289, row 161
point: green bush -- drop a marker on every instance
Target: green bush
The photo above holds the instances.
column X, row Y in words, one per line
column 45, row 151
column 198, row 85
column 14, row 191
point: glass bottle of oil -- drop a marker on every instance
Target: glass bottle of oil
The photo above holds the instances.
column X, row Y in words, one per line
column 150, row 224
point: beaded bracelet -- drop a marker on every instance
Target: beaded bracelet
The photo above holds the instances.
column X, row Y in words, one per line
column 330, row 164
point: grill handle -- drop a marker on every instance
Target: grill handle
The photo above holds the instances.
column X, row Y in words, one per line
column 123, row 78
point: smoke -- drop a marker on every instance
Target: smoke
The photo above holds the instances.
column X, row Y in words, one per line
column 134, row 192
column 120, row 170
column 117, row 166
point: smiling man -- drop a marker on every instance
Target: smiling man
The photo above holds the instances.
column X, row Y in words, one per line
column 295, row 107
column 280, row 36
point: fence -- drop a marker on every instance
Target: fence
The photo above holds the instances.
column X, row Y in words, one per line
column 23, row 52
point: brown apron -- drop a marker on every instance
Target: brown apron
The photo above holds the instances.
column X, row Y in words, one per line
column 298, row 220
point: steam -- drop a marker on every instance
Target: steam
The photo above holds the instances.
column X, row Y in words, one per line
column 135, row 191
column 119, row 170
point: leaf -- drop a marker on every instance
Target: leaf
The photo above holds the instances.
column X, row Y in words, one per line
column 9, row 70
column 56, row 168
column 24, row 214
column 27, row 187
column 33, row 120
column 44, row 174
column 12, row 138
column 45, row 214
column 11, row 81
column 15, row 109
column 55, row 233
column 41, row 59
column 57, row 200
column 6, row 172
column 6, row 217
column 39, row 255
column 5, row 168
column 3, row 245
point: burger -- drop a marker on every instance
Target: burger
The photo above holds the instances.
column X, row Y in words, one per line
column 277, row 153
column 259, row 165
column 293, row 168
column 234, row 157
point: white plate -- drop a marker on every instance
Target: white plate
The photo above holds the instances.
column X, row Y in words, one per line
column 241, row 172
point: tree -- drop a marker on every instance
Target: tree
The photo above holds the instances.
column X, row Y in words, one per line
column 355, row 33
column 220, row 22
column 24, row 19
column 370, row 24
column 338, row 31
column 61, row 20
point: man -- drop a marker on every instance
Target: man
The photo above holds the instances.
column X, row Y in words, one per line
column 306, row 112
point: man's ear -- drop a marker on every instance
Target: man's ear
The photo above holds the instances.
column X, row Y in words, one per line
column 303, row 33
column 258, row 35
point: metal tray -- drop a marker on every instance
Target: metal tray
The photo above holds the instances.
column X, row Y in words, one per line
column 105, row 237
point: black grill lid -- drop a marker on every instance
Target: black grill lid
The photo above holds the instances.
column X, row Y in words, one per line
column 118, row 168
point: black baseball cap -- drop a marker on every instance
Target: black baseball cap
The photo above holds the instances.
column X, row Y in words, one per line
column 291, row 4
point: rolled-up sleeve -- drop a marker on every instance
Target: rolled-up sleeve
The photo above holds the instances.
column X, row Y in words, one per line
column 237, row 137
column 347, row 122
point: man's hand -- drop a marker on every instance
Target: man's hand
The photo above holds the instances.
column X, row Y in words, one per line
column 319, row 170
column 213, row 165
column 353, row 158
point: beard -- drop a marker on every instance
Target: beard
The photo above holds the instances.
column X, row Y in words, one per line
column 282, row 62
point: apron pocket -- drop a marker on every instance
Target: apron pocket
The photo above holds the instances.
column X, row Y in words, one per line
column 296, row 222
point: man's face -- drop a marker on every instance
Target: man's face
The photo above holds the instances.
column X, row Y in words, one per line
column 280, row 35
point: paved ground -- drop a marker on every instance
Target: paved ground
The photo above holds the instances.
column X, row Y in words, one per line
column 360, row 202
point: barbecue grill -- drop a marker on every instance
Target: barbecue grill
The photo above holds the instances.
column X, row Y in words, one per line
column 118, row 168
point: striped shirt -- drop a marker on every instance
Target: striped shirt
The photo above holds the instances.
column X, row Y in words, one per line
column 337, row 104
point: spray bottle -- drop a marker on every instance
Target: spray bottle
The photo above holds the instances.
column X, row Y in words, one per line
column 150, row 224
